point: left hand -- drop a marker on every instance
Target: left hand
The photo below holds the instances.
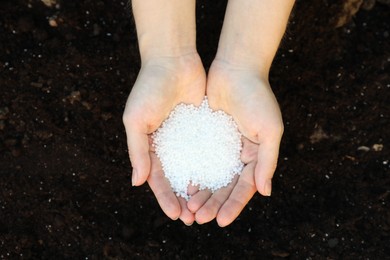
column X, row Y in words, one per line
column 247, row 96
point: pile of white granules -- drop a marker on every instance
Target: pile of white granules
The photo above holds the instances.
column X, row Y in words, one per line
column 198, row 146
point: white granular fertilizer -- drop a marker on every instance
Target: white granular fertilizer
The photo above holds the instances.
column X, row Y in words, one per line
column 198, row 146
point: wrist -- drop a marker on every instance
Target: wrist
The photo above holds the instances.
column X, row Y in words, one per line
column 235, row 62
column 168, row 45
column 183, row 66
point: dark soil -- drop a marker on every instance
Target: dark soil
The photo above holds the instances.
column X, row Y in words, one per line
column 65, row 191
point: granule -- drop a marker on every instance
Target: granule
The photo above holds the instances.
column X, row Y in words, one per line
column 198, row 146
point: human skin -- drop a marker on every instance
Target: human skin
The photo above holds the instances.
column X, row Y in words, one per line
column 238, row 84
column 171, row 73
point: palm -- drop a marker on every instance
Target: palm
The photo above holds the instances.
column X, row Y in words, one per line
column 249, row 99
column 160, row 86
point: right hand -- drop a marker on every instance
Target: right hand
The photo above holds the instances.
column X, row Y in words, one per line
column 162, row 83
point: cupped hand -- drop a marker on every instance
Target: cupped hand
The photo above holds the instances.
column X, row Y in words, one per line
column 162, row 83
column 247, row 96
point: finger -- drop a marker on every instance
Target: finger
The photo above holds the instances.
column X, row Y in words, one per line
column 249, row 151
column 192, row 190
column 150, row 141
column 198, row 200
column 266, row 166
column 138, row 146
column 210, row 209
column 241, row 194
column 186, row 215
column 161, row 188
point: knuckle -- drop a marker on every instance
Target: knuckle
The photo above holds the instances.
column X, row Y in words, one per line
column 281, row 128
column 127, row 117
column 274, row 129
column 273, row 167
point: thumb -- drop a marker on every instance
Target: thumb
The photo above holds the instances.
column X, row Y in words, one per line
column 138, row 146
column 266, row 166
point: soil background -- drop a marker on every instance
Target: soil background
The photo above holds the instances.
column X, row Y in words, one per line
column 65, row 192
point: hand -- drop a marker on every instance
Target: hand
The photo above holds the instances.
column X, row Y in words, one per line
column 247, row 96
column 162, row 83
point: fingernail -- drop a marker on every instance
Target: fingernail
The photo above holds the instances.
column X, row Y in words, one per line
column 188, row 224
column 134, row 177
column 268, row 188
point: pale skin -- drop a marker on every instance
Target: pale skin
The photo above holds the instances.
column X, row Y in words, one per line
column 237, row 83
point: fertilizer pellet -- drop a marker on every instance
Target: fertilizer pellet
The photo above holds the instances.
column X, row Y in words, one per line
column 198, row 146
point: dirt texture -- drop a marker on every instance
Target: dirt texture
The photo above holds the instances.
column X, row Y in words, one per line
column 66, row 69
